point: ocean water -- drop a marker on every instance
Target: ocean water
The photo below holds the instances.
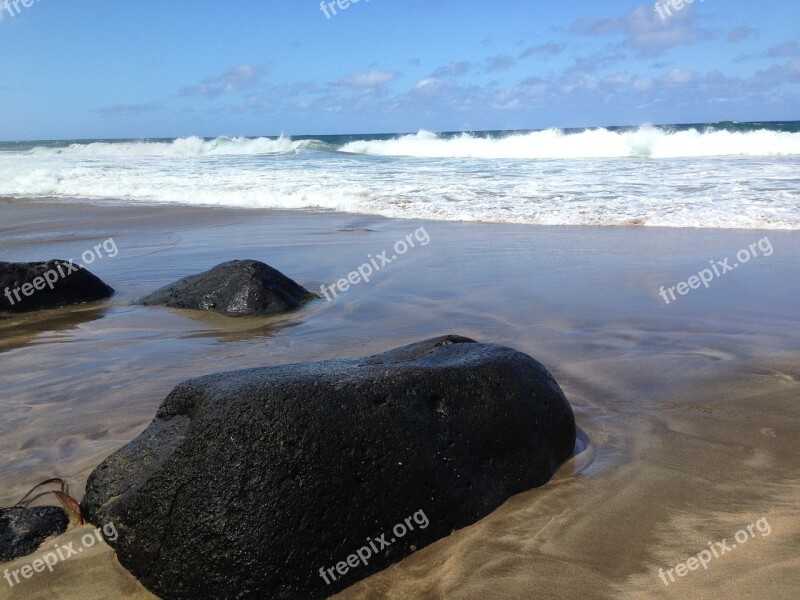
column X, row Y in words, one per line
column 722, row 175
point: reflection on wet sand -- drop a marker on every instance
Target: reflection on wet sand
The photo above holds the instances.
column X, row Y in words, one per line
column 688, row 411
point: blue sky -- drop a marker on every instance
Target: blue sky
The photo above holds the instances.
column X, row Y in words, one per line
column 91, row 69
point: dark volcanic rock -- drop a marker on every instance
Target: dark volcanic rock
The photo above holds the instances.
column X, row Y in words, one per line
column 22, row 530
column 48, row 284
column 238, row 287
column 247, row 483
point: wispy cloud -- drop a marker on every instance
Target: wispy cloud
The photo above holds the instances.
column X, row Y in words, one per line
column 678, row 77
column 550, row 48
column 645, row 31
column 367, row 79
column 741, row 33
column 788, row 49
column 233, row 80
column 129, row 110
column 502, row 62
column 431, row 86
column 454, row 69
column 595, row 62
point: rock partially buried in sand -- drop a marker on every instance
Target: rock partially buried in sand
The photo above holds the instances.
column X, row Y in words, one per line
column 25, row 287
column 22, row 530
column 238, row 287
column 256, row 483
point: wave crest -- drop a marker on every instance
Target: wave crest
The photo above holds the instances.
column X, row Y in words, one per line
column 646, row 141
column 189, row 146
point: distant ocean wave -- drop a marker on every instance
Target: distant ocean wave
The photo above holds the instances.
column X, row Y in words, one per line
column 650, row 142
column 646, row 141
column 188, row 146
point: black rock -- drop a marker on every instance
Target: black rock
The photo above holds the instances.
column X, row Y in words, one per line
column 61, row 282
column 238, row 287
column 22, row 530
column 248, row 483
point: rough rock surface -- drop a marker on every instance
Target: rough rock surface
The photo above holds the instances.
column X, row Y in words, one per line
column 49, row 284
column 238, row 287
column 247, row 483
column 22, row 530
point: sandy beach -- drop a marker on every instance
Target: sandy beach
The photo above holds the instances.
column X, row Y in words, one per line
column 689, row 408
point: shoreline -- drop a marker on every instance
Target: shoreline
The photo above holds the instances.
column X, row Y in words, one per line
column 52, row 202
column 679, row 401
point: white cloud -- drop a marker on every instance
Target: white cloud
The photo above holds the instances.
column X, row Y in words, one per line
column 678, row 77
column 643, row 84
column 550, row 48
column 741, row 33
column 785, row 50
column 502, row 62
column 367, row 79
column 233, row 80
column 454, row 69
column 425, row 82
column 128, row 110
column 644, row 30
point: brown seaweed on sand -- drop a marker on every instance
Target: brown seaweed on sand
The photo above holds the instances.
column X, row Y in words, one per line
column 68, row 503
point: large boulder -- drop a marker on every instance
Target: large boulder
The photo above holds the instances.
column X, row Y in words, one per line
column 33, row 286
column 297, row 481
column 22, row 530
column 238, row 287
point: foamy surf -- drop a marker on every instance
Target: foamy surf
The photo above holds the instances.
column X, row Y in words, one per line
column 740, row 176
column 189, row 146
column 595, row 143
column 646, row 141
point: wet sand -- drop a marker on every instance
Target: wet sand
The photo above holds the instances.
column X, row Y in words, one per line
column 691, row 409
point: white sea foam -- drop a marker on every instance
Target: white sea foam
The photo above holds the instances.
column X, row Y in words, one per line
column 642, row 177
column 645, row 141
column 595, row 143
column 190, row 146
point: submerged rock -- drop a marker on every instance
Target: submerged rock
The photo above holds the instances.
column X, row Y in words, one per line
column 22, row 530
column 26, row 287
column 297, row 481
column 238, row 287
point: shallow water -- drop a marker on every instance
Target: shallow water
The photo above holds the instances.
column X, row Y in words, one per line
column 689, row 408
